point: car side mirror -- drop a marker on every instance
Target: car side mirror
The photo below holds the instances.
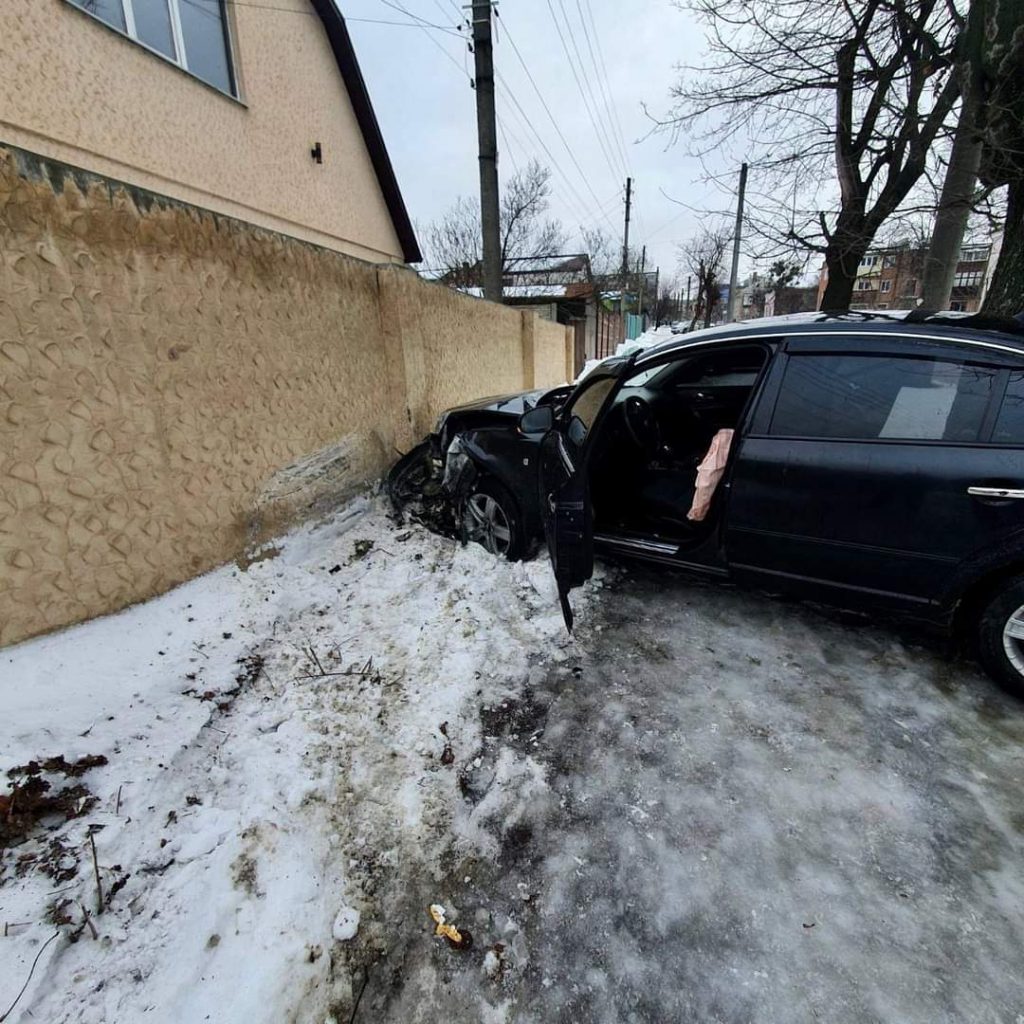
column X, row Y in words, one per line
column 537, row 421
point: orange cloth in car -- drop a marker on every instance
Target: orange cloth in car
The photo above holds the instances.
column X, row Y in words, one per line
column 709, row 473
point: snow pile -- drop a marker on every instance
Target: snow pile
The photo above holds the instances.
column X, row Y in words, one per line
column 650, row 338
column 283, row 746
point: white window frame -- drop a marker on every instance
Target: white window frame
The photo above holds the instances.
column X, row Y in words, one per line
column 886, row 286
column 180, row 58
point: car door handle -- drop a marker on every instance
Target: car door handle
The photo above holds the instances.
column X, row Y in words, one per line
column 995, row 492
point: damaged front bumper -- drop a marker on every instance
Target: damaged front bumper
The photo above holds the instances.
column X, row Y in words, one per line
column 429, row 485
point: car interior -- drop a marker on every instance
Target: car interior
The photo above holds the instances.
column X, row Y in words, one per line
column 644, row 466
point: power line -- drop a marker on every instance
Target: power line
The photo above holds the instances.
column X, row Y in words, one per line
column 612, row 106
column 418, row 23
column 530, row 129
column 592, row 106
column 505, row 136
column 416, row 17
column 551, row 117
column 579, row 86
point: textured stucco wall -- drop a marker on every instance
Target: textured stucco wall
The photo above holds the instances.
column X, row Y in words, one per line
column 76, row 91
column 160, row 366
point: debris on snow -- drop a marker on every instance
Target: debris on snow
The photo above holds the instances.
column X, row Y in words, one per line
column 459, row 939
column 263, row 759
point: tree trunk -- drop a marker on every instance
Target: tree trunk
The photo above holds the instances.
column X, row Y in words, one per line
column 842, row 257
column 951, row 216
column 961, row 173
column 1005, row 296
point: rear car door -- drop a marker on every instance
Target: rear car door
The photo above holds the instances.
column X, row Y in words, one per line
column 870, row 470
column 564, row 486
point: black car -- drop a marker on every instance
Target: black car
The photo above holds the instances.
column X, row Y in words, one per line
column 861, row 460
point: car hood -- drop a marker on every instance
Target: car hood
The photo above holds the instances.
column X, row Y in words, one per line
column 510, row 405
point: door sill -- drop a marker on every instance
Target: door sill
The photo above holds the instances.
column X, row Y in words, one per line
column 656, row 551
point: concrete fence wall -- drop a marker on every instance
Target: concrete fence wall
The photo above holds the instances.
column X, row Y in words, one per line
column 169, row 376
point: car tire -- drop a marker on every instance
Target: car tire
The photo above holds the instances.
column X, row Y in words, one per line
column 490, row 517
column 1001, row 652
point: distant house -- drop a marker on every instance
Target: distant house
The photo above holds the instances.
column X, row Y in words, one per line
column 890, row 278
column 255, row 111
column 558, row 288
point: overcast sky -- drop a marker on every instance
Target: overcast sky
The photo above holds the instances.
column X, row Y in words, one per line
column 418, row 81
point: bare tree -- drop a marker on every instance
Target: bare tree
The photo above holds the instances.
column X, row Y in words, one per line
column 802, row 87
column 1002, row 132
column 704, row 257
column 453, row 243
column 960, row 182
column 605, row 252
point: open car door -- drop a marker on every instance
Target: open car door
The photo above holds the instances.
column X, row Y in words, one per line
column 564, row 481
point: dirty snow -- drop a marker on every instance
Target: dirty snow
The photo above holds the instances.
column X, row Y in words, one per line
column 710, row 806
column 283, row 743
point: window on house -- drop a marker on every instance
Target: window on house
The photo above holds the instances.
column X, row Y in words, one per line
column 191, row 33
column 882, row 397
column 910, row 288
column 976, row 255
column 888, row 261
column 968, row 279
column 865, row 285
column 868, row 261
column 886, row 286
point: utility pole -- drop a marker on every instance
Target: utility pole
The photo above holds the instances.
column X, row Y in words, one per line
column 657, row 297
column 640, row 283
column 625, row 248
column 736, row 245
column 487, row 133
column 688, row 278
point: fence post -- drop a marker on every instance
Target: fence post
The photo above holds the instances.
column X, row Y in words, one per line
column 529, row 335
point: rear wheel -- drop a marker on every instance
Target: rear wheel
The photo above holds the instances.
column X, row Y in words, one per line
column 1001, row 636
column 490, row 517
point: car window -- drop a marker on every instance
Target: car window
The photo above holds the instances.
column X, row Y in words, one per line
column 585, row 408
column 890, row 397
column 1009, row 428
column 734, row 367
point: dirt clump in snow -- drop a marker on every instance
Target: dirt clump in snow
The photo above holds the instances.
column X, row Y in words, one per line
column 33, row 804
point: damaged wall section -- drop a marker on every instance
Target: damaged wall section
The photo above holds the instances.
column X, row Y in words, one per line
column 163, row 367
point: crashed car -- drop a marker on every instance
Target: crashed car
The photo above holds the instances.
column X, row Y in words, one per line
column 861, row 460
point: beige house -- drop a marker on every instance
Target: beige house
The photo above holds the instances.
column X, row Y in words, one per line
column 258, row 112
column 207, row 325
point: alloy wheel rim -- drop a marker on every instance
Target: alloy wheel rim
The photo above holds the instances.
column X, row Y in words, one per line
column 487, row 524
column 1013, row 639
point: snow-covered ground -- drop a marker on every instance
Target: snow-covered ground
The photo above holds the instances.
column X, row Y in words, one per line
column 709, row 806
column 284, row 744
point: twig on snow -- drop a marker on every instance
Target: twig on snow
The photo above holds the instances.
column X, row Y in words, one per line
column 96, row 871
column 31, row 971
column 87, row 920
column 117, row 809
column 359, row 998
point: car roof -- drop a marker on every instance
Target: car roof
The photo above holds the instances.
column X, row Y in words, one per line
column 1003, row 334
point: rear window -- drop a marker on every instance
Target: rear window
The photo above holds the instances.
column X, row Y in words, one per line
column 882, row 397
column 1009, row 428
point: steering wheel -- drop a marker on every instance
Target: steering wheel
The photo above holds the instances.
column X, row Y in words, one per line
column 642, row 424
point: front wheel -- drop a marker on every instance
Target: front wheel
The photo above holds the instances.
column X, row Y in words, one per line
column 1001, row 636
column 490, row 517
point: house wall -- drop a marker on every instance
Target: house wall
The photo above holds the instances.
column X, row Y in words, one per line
column 77, row 91
column 175, row 383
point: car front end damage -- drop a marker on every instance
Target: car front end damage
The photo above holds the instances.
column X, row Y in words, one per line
column 431, row 483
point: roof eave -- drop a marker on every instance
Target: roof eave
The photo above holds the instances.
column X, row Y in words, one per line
column 348, row 65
